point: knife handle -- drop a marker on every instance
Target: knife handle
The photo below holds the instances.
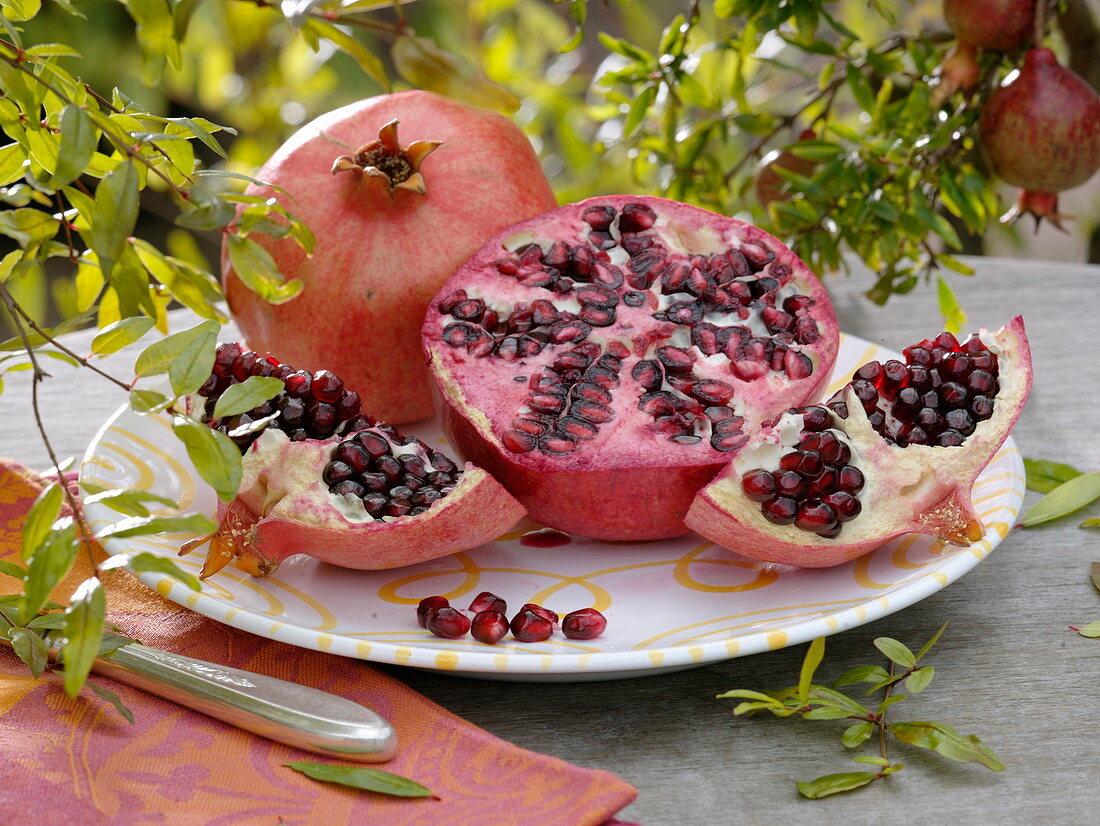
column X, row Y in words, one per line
column 297, row 715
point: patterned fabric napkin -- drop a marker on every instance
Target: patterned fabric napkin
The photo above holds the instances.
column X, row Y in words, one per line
column 77, row 760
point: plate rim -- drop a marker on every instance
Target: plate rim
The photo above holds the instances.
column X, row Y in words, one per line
column 581, row 666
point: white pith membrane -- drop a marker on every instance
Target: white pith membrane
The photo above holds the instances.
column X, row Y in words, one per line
column 916, row 488
column 699, row 413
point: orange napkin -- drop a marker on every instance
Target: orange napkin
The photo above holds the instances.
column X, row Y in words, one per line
column 77, row 760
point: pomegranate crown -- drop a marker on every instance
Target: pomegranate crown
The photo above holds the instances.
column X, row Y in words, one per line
column 385, row 158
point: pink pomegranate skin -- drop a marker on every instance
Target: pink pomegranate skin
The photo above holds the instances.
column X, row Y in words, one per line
column 1000, row 25
column 1042, row 131
column 915, row 489
column 631, row 480
column 380, row 257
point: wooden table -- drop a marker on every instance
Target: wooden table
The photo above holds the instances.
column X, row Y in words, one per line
column 1007, row 668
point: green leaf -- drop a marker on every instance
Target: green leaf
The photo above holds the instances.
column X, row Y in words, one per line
column 258, row 271
column 146, row 525
column 193, row 364
column 20, row 10
column 825, row 713
column 149, row 401
column 216, row 458
column 857, row 733
column 28, row 227
column 243, row 396
column 83, row 627
column 1091, row 630
column 78, row 141
column 113, row 698
column 919, row 679
column 40, row 518
column 1090, row 523
column 895, row 652
column 871, row 759
column 953, row 316
column 861, row 88
column 814, row 150
column 151, row 563
column 948, row 742
column 1064, row 499
column 121, row 333
column 928, row 645
column 47, row 566
column 814, row 654
column 130, row 502
column 1094, row 574
column 426, row 66
column 11, row 569
column 369, row 62
column 862, row 674
column 371, row 780
column 835, row 784
column 1044, row 476
column 31, row 649
column 158, row 356
column 638, row 109
column 116, row 211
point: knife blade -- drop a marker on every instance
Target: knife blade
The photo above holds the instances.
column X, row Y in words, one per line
column 296, row 715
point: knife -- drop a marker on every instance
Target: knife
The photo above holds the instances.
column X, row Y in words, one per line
column 297, row 715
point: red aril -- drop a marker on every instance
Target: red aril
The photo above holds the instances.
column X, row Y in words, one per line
column 489, row 627
column 604, row 360
column 584, row 624
column 427, row 607
column 449, row 623
column 899, row 456
column 391, row 222
column 528, row 626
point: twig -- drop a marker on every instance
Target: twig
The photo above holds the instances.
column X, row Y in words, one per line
column 1040, row 22
column 335, row 16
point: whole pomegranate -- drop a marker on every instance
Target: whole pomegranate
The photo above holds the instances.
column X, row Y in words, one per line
column 1041, row 132
column 769, row 184
column 319, row 478
column 895, row 451
column 604, row 360
column 1000, row 25
column 391, row 224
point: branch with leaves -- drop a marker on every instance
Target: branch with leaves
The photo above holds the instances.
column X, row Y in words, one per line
column 812, row 701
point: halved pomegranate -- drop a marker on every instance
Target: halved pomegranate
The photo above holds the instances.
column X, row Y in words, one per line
column 324, row 480
column 605, row 359
column 896, row 451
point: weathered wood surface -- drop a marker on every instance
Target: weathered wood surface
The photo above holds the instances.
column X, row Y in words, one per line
column 1007, row 669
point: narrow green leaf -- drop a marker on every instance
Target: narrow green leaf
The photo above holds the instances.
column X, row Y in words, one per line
column 258, row 271
column 861, row 674
column 371, row 780
column 151, row 563
column 116, row 211
column 832, row 784
column 1065, row 499
column 814, row 654
column 895, row 652
column 1044, row 476
column 826, row 713
column 147, row 525
column 130, row 502
column 935, row 638
column 193, row 364
column 12, row 164
column 28, row 227
column 1090, row 523
column 857, row 733
column 638, row 109
column 40, row 518
column 953, row 316
column 919, row 679
column 11, row 569
column 1094, row 574
column 48, row 622
column 216, row 458
column 860, row 87
column 243, row 396
column 368, row 61
column 1091, row 630
column 158, row 356
column 948, row 742
column 746, row 694
column 83, row 627
column 47, row 566
column 78, row 141
column 31, row 649
column 814, row 150
column 121, row 333
column 113, row 698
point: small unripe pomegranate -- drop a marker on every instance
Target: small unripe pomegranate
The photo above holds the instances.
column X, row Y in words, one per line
column 959, row 72
column 1041, row 132
column 1000, row 25
column 769, row 185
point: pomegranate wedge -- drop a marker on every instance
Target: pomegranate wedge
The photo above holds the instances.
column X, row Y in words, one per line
column 321, row 479
column 896, row 451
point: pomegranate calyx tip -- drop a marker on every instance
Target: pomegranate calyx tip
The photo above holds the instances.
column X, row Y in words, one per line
column 385, row 158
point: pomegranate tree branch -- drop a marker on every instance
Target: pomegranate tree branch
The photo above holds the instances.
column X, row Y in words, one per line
column 1040, row 22
column 348, row 19
column 17, row 316
column 21, row 316
column 1082, row 34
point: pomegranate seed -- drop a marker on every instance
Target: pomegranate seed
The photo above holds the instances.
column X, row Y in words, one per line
column 489, row 626
column 950, row 438
column 952, row 394
column 780, row 511
column 871, row 371
column 946, row 341
column 850, row 479
column 846, row 506
column 327, row 387
column 487, row 601
column 822, row 484
column 789, row 483
column 981, row 407
column 428, row 606
column 960, row 420
column 448, row 622
column 527, row 626
column 636, row 218
column 298, row 384
column 815, row 516
column 545, row 613
column 585, row 624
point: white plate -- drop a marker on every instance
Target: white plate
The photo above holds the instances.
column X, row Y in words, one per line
column 670, row 604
